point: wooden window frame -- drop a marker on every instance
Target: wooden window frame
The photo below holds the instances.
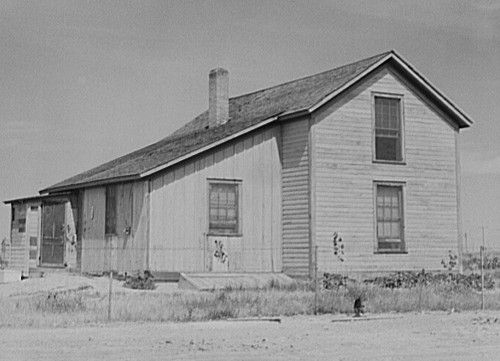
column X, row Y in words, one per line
column 401, row 186
column 111, row 217
column 400, row 98
column 225, row 231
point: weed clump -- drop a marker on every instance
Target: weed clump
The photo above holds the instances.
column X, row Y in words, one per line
column 473, row 262
column 54, row 302
column 451, row 281
column 140, row 281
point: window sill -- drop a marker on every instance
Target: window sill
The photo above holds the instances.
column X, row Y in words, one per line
column 395, row 162
column 220, row 234
column 391, row 252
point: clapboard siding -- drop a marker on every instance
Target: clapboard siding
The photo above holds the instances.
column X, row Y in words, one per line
column 33, row 230
column 296, row 197
column 344, row 176
column 19, row 249
column 179, row 208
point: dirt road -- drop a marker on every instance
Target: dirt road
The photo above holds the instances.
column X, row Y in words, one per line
column 436, row 336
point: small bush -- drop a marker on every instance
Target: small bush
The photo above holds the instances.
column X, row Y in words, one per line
column 473, row 262
column 140, row 282
column 332, row 281
column 453, row 281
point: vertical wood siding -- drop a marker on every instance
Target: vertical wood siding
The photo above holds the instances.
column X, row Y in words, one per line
column 179, row 208
column 296, row 204
column 129, row 245
column 93, row 242
column 344, row 176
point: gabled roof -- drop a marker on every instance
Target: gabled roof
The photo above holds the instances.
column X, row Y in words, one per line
column 248, row 112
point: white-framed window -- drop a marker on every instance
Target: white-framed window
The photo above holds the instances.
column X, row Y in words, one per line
column 224, row 207
column 389, row 217
column 388, row 128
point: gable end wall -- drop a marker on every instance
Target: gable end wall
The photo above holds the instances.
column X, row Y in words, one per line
column 344, row 175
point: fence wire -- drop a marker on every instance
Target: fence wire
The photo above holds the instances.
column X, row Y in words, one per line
column 488, row 237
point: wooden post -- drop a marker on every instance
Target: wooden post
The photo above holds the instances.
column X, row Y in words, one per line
column 110, row 293
column 483, row 235
column 315, row 280
column 482, row 277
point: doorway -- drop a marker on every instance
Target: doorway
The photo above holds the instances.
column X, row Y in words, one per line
column 53, row 223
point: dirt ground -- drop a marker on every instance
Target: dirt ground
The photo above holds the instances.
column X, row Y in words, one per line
column 425, row 336
column 61, row 282
column 429, row 336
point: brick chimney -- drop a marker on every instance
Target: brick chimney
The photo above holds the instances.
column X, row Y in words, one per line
column 218, row 94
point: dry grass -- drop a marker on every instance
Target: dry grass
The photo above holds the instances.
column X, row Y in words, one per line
column 90, row 307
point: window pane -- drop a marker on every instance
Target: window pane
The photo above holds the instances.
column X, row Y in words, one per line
column 395, row 230
column 387, row 149
column 395, row 213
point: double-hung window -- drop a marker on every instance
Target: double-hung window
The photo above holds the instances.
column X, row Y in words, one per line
column 224, row 207
column 389, row 217
column 388, row 129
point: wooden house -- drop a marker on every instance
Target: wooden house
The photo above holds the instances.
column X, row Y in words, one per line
column 258, row 182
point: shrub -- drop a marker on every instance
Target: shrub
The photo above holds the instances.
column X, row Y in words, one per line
column 449, row 280
column 473, row 262
column 332, row 281
column 140, row 282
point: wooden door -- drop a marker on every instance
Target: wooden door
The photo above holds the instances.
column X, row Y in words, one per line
column 52, row 252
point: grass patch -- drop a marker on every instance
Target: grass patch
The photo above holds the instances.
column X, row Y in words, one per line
column 90, row 307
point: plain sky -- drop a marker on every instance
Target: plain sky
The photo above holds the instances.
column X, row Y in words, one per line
column 83, row 82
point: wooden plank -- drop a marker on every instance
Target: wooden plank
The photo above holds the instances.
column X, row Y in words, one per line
column 93, row 240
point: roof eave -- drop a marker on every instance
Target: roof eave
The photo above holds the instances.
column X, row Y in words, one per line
column 36, row 198
column 461, row 118
column 71, row 187
column 350, row 83
column 208, row 146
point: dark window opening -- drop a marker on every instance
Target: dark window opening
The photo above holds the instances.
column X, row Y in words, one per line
column 19, row 218
column 110, row 222
column 21, row 224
